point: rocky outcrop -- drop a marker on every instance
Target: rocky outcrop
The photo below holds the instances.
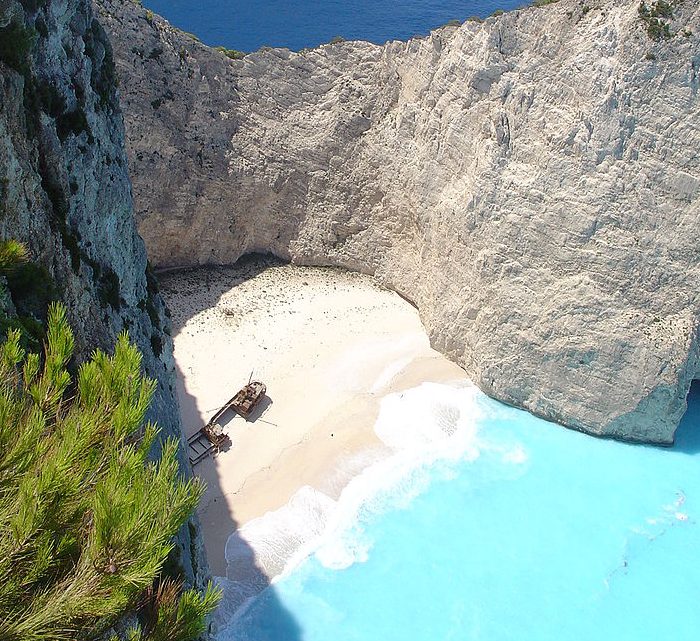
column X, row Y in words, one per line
column 531, row 182
column 65, row 192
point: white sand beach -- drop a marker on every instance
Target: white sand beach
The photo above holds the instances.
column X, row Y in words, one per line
column 328, row 344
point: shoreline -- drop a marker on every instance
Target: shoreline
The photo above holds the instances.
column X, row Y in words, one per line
column 329, row 345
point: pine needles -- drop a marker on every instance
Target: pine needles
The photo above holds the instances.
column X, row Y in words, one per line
column 11, row 253
column 86, row 519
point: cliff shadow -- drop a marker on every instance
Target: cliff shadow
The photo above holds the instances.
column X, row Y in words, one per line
column 688, row 432
column 243, row 578
column 201, row 288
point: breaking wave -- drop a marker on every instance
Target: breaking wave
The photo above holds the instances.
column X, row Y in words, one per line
column 422, row 426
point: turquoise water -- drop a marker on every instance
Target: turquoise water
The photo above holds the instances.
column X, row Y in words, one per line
column 490, row 524
column 247, row 25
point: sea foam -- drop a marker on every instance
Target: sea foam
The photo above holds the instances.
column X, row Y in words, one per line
column 420, row 427
column 484, row 522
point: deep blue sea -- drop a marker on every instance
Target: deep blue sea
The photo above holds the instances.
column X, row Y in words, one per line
column 247, row 25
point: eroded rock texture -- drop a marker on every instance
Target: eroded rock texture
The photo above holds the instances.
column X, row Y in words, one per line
column 65, row 192
column 531, row 182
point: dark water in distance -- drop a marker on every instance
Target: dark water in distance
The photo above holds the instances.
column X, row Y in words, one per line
column 247, row 25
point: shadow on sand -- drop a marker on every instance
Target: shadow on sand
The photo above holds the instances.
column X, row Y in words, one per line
column 688, row 432
column 260, row 410
column 212, row 282
column 245, row 578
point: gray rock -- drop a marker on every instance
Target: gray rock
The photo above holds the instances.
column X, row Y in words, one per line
column 65, row 192
column 531, row 182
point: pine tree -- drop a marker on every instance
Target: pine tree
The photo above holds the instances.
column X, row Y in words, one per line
column 86, row 519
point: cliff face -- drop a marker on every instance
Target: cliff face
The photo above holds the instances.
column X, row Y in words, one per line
column 531, row 182
column 65, row 192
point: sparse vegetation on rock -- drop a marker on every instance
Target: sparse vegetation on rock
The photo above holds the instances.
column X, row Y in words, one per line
column 16, row 40
column 234, row 54
column 655, row 16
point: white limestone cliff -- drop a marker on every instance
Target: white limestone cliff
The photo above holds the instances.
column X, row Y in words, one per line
column 531, row 182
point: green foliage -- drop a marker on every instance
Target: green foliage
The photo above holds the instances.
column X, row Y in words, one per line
column 31, row 289
column 336, row 40
column 188, row 34
column 12, row 254
column 86, row 519
column 654, row 15
column 16, row 41
column 662, row 9
column 31, row 330
column 175, row 617
column 543, row 3
column 234, row 54
column 658, row 30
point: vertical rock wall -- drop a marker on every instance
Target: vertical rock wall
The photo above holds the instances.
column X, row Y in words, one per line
column 65, row 192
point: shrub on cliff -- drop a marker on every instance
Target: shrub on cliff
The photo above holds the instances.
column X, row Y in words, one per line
column 234, row 54
column 654, row 16
column 86, row 519
column 23, row 286
column 12, row 254
column 16, row 40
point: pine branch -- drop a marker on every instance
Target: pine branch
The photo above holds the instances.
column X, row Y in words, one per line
column 86, row 519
